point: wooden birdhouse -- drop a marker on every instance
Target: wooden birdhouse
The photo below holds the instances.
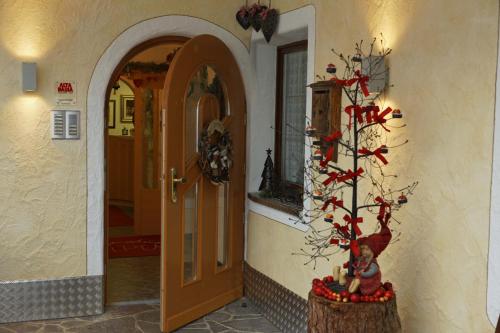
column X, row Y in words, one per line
column 326, row 112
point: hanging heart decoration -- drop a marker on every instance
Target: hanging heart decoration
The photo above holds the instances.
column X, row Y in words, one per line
column 269, row 22
column 259, row 17
column 255, row 17
column 243, row 17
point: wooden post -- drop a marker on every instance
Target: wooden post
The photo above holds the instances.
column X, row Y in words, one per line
column 327, row 316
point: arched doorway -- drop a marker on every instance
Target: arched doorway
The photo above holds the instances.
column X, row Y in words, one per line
column 185, row 26
column 142, row 32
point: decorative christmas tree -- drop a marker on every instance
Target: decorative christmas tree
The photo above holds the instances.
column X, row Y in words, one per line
column 267, row 183
column 347, row 193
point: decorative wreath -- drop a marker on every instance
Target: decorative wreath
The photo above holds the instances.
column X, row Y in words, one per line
column 215, row 148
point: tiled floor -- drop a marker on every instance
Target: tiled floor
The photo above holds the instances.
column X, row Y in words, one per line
column 238, row 317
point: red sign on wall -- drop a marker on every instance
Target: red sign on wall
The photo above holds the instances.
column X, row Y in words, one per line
column 64, row 88
column 65, row 92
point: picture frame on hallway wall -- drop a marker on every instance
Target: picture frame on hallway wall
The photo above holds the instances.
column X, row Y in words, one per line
column 127, row 108
column 112, row 113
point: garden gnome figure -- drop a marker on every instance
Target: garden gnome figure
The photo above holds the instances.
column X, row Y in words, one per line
column 368, row 277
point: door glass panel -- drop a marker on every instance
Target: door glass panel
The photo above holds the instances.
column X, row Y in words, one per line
column 148, row 136
column 222, row 225
column 204, row 81
column 191, row 233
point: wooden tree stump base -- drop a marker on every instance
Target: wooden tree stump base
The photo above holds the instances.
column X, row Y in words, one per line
column 327, row 316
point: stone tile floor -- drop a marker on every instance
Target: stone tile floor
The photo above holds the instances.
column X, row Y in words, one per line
column 143, row 318
column 133, row 279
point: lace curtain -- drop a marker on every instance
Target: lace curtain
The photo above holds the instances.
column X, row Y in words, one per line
column 294, row 113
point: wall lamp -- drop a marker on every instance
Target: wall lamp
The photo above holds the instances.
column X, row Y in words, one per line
column 29, row 76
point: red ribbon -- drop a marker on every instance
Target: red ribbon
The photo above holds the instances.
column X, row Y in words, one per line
column 358, row 113
column 383, row 206
column 377, row 152
column 379, row 118
column 371, row 112
column 362, row 79
column 334, row 241
column 354, row 223
column 349, row 175
column 342, row 230
column 332, row 137
column 332, row 176
column 328, row 157
column 329, row 153
column 334, row 201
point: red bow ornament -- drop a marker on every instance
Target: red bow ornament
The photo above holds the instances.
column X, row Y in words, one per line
column 350, row 175
column 334, row 201
column 332, row 176
column 354, row 223
column 362, row 79
column 377, row 152
column 342, row 230
column 379, row 118
column 329, row 153
column 358, row 113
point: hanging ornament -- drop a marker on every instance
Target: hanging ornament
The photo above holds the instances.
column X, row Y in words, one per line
column 310, row 131
column 243, row 16
column 331, row 69
column 356, row 58
column 255, row 17
column 397, row 114
column 269, row 18
column 215, row 152
column 344, row 244
column 317, row 195
column 329, row 218
column 318, row 155
column 402, row 199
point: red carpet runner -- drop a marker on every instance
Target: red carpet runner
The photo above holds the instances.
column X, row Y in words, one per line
column 134, row 246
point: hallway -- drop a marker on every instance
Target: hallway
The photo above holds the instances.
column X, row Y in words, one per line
column 142, row 318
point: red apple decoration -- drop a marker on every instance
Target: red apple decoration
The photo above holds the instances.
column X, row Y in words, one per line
column 344, row 294
column 355, row 298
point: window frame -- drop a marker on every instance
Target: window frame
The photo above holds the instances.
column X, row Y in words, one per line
column 281, row 52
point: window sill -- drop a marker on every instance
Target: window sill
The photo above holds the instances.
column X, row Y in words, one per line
column 276, row 210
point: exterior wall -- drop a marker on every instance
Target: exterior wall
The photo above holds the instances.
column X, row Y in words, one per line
column 443, row 67
column 43, row 183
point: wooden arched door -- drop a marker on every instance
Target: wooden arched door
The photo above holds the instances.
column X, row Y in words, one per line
column 202, row 223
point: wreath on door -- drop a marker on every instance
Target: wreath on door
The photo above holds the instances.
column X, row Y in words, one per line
column 215, row 148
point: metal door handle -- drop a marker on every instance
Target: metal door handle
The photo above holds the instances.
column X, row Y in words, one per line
column 173, row 184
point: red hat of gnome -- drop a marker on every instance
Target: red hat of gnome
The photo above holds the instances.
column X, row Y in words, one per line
column 377, row 242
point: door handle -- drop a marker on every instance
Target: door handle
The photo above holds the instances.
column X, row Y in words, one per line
column 173, row 184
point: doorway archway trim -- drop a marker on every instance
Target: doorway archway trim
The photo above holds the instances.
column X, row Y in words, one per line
column 175, row 25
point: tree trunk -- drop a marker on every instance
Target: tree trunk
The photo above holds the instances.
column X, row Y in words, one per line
column 336, row 317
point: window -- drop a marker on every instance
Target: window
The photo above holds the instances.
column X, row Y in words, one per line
column 291, row 118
